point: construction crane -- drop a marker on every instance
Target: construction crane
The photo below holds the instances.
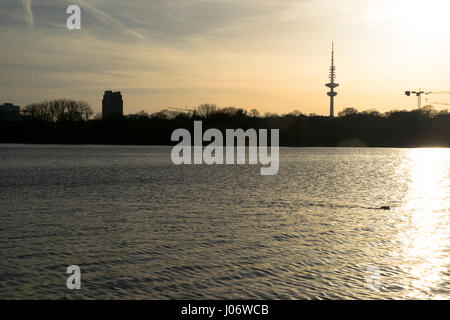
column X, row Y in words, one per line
column 440, row 103
column 419, row 94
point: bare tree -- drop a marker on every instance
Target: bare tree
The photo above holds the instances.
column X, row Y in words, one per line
column 372, row 112
column 295, row 113
column 206, row 110
column 58, row 110
column 165, row 114
column 429, row 111
column 347, row 112
column 254, row 113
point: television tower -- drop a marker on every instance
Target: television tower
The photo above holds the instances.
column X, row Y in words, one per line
column 332, row 84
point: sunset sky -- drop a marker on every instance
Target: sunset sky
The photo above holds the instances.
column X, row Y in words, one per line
column 272, row 55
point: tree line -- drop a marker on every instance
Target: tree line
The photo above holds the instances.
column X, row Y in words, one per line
column 66, row 121
column 59, row 110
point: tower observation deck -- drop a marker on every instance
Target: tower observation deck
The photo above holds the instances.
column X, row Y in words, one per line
column 332, row 85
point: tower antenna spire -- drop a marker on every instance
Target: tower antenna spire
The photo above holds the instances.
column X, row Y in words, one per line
column 332, row 69
column 332, row 85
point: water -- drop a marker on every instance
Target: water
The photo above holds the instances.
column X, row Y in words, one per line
column 142, row 228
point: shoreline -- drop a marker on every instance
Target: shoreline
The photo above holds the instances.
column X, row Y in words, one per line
column 170, row 146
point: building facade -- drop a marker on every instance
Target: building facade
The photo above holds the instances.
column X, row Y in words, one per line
column 112, row 105
column 9, row 112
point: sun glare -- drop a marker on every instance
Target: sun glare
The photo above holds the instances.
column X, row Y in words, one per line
column 416, row 19
column 425, row 234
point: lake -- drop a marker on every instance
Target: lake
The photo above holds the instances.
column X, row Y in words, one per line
column 140, row 227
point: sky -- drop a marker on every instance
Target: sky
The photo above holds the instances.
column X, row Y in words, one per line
column 271, row 55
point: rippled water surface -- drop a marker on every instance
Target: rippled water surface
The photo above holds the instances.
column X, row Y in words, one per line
column 142, row 228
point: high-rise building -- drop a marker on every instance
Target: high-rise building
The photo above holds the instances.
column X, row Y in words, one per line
column 9, row 107
column 332, row 84
column 9, row 112
column 112, row 105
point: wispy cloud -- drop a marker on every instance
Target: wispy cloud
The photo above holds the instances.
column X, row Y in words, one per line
column 28, row 12
column 107, row 19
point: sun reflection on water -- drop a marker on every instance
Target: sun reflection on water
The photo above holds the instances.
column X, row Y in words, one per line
column 425, row 233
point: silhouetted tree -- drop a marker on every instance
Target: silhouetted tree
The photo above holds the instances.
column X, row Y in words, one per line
column 141, row 115
column 371, row 112
column 295, row 113
column 59, row 110
column 254, row 113
column 347, row 112
column 270, row 115
column 206, row 110
column 428, row 111
column 397, row 128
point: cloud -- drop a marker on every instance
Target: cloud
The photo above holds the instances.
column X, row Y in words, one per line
column 176, row 52
column 108, row 20
column 28, row 12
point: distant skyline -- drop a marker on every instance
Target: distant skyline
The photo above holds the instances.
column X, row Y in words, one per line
column 272, row 55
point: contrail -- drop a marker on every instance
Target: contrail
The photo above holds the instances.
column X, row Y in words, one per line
column 106, row 19
column 28, row 13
